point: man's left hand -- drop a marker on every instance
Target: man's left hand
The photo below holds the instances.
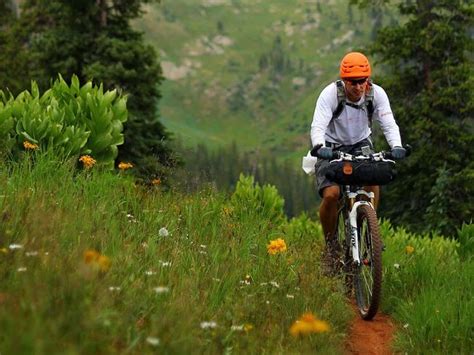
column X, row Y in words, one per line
column 398, row 153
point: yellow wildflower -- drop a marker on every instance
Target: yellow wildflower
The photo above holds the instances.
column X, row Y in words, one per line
column 104, row 263
column 125, row 166
column 308, row 324
column 276, row 246
column 409, row 249
column 156, row 182
column 87, row 161
column 248, row 327
column 30, row 146
column 91, row 256
column 228, row 211
column 4, row 250
column 97, row 261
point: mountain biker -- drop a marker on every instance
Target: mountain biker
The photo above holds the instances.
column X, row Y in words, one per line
column 342, row 121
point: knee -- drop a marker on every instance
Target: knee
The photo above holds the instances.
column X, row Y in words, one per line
column 331, row 194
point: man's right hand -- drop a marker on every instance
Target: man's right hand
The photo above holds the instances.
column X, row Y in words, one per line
column 321, row 152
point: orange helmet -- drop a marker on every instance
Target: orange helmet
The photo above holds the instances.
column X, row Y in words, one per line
column 354, row 65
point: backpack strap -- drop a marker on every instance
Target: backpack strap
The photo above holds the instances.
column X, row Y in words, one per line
column 341, row 99
column 368, row 102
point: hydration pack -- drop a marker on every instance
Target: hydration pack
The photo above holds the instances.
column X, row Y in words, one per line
column 367, row 105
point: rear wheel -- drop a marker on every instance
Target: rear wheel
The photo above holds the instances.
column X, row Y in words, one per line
column 368, row 276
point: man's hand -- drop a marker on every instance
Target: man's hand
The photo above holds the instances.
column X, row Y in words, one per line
column 398, row 153
column 321, row 152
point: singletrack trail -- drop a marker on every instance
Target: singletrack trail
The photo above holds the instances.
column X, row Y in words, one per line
column 370, row 337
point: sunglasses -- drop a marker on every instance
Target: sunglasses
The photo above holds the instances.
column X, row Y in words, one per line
column 355, row 82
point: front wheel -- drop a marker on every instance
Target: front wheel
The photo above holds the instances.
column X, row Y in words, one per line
column 368, row 276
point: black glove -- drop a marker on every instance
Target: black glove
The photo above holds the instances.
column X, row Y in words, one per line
column 398, row 153
column 321, row 152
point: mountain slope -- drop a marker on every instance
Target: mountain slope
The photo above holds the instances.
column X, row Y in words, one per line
column 249, row 71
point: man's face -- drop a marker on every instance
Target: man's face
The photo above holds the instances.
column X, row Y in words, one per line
column 355, row 88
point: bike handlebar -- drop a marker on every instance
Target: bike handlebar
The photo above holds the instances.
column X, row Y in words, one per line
column 338, row 154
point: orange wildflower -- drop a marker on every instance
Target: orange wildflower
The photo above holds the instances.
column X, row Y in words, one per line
column 87, row 161
column 308, row 324
column 30, row 146
column 125, row 166
column 91, row 256
column 156, row 181
column 104, row 263
column 276, row 246
column 96, row 260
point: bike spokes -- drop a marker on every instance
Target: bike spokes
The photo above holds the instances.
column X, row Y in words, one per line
column 368, row 275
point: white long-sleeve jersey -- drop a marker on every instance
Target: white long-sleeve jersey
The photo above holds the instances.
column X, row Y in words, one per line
column 352, row 125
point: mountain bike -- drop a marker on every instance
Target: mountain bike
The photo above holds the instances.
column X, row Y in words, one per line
column 357, row 234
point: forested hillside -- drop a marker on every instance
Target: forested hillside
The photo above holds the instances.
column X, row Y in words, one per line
column 249, row 71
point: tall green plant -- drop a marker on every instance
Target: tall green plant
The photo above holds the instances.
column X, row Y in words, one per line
column 252, row 199
column 66, row 119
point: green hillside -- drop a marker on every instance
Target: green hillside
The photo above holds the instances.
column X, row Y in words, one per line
column 249, row 71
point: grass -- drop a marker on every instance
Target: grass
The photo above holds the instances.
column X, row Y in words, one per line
column 428, row 289
column 214, row 266
column 180, row 260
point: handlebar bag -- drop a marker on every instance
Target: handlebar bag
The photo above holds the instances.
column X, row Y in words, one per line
column 361, row 173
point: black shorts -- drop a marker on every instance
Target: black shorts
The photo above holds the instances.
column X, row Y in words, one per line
column 321, row 181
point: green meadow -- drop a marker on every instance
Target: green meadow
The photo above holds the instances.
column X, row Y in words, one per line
column 91, row 262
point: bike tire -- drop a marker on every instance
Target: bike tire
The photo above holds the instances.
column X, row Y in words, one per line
column 368, row 276
column 343, row 239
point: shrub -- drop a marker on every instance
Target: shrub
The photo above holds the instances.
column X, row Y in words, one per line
column 250, row 198
column 66, row 119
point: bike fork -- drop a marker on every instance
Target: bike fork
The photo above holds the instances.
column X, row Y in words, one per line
column 354, row 233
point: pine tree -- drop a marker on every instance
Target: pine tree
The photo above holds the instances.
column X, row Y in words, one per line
column 94, row 40
column 430, row 84
column 13, row 56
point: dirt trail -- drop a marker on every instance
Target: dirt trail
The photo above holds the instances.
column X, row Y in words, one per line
column 370, row 337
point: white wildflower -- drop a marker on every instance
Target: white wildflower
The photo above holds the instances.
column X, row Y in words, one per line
column 15, row 246
column 203, row 246
column 275, row 284
column 165, row 263
column 131, row 218
column 396, row 266
column 290, row 296
column 31, row 253
column 406, row 325
column 150, row 272
column 216, row 279
column 161, row 289
column 114, row 288
column 21, row 269
column 153, row 341
column 208, row 325
column 237, row 328
column 163, row 232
